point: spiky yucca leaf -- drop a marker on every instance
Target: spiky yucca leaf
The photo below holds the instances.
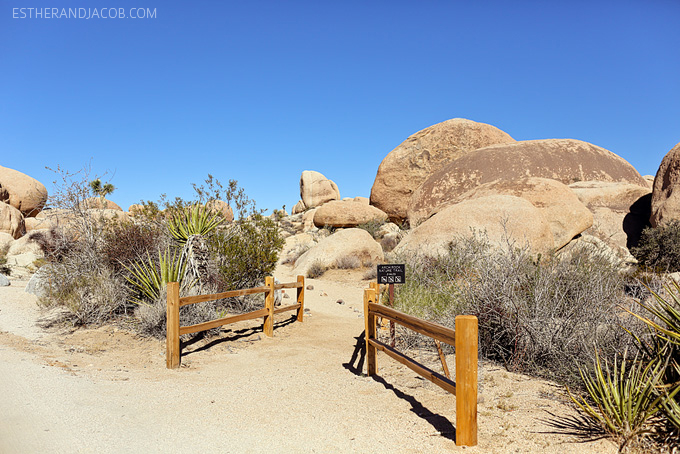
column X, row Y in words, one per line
column 625, row 398
column 150, row 280
column 196, row 219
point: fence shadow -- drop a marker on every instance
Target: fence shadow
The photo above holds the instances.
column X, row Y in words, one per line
column 440, row 423
column 234, row 335
column 358, row 355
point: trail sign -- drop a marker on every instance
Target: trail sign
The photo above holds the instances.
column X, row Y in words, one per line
column 392, row 274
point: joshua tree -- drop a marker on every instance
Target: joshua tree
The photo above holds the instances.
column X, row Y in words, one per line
column 102, row 190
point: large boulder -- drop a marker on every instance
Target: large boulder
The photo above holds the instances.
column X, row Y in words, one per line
column 5, row 241
column 223, row 208
column 564, row 160
column 620, row 210
column 559, row 206
column 343, row 243
column 295, row 246
column 344, row 214
column 25, row 245
column 504, row 218
column 417, row 157
column 11, row 221
column 99, row 203
column 24, row 193
column 665, row 193
column 316, row 189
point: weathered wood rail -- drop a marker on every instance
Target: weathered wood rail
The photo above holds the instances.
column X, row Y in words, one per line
column 463, row 339
column 174, row 302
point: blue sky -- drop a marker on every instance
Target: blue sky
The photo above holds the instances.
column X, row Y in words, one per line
column 259, row 91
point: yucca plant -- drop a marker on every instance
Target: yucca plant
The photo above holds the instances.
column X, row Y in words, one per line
column 149, row 279
column 195, row 219
column 624, row 400
column 665, row 346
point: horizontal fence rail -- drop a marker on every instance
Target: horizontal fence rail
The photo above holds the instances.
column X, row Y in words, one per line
column 463, row 339
column 174, row 302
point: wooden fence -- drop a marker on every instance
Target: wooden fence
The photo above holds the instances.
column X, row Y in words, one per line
column 463, row 339
column 174, row 330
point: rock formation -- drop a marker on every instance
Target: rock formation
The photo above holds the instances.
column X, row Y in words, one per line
column 416, row 158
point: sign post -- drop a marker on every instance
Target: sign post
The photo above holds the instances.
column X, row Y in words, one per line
column 391, row 274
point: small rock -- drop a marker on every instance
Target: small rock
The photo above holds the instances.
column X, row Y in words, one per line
column 286, row 295
column 307, row 310
column 310, row 287
column 323, row 294
column 4, row 282
column 341, row 302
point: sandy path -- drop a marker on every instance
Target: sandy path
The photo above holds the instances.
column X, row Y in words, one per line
column 106, row 390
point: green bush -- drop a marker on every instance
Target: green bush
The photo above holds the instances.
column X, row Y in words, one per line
column 246, row 251
column 659, row 247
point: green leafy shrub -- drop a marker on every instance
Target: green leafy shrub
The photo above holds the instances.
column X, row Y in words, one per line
column 372, row 226
column 659, row 247
column 246, row 251
column 149, row 278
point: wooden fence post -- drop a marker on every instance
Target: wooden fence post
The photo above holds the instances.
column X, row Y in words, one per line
column 369, row 321
column 466, row 380
column 172, row 353
column 268, row 326
column 301, row 298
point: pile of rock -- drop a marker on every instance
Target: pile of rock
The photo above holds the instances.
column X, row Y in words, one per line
column 460, row 176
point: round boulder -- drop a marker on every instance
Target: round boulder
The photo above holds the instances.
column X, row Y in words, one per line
column 564, row 160
column 223, row 208
column 559, row 206
column 665, row 193
column 316, row 189
column 417, row 157
column 99, row 203
column 24, row 193
column 343, row 243
column 11, row 221
column 342, row 214
column 620, row 210
column 504, row 218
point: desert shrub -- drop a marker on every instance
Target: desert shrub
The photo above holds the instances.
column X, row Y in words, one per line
column 4, row 268
column 128, row 242
column 659, row 247
column 92, row 260
column 371, row 273
column 348, row 262
column 91, row 296
column 296, row 252
column 151, row 318
column 536, row 315
column 246, row 251
column 372, row 226
column 316, row 269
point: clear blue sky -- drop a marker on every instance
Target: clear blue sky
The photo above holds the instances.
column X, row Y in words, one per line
column 259, row 91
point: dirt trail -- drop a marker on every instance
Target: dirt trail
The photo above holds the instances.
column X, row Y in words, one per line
column 106, row 390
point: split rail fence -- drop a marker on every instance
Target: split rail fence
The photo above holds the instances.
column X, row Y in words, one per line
column 174, row 302
column 463, row 339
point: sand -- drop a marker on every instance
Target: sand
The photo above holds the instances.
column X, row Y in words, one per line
column 106, row 390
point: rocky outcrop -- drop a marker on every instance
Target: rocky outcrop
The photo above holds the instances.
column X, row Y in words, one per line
column 502, row 217
column 666, row 193
column 347, row 242
column 620, row 210
column 99, row 203
column 24, row 193
column 564, row 160
column 298, row 208
column 416, row 158
column 558, row 205
column 223, row 208
column 316, row 189
column 11, row 221
column 342, row 214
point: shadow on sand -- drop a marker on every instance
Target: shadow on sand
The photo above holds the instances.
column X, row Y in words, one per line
column 227, row 336
column 356, row 365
